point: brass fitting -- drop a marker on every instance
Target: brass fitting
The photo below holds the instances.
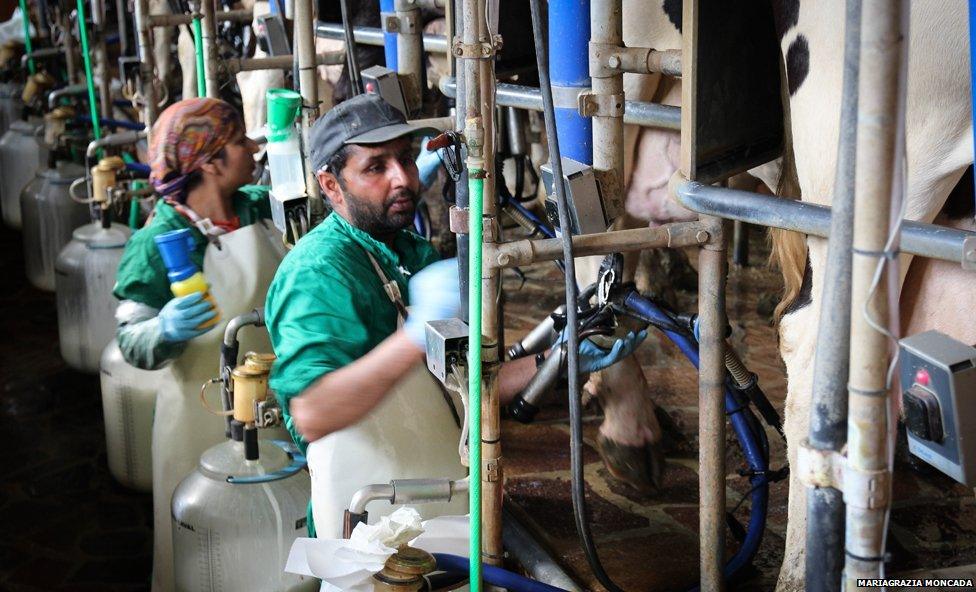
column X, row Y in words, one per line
column 250, row 386
column 104, row 177
column 37, row 87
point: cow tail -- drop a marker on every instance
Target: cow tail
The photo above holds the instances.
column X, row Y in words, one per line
column 788, row 249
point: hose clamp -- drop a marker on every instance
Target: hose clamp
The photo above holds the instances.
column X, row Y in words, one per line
column 476, row 51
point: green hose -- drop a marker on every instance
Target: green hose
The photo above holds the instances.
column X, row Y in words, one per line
column 90, row 80
column 201, row 63
column 25, row 16
column 476, row 190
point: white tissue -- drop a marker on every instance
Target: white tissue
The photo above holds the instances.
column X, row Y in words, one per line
column 349, row 564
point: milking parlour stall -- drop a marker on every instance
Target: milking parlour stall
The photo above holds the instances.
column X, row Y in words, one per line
column 534, row 295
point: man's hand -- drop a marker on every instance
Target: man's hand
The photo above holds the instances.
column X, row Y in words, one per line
column 593, row 358
column 428, row 163
column 435, row 293
column 309, row 416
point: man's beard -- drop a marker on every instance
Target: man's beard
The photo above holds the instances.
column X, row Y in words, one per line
column 378, row 220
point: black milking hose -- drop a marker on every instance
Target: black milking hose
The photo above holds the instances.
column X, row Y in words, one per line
column 351, row 62
column 575, row 403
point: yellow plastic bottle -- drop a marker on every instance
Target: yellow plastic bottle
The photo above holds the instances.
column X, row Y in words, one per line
column 191, row 285
column 185, row 277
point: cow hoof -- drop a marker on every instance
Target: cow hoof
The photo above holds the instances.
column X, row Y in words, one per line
column 640, row 467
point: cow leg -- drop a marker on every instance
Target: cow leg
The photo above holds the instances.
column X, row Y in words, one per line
column 798, row 338
column 630, row 436
column 188, row 62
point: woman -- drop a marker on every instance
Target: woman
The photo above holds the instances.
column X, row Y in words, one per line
column 201, row 164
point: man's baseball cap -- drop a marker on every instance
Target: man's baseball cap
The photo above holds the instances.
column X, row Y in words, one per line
column 364, row 119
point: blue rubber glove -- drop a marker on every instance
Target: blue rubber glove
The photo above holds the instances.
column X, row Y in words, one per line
column 435, row 294
column 594, row 358
column 428, row 163
column 180, row 318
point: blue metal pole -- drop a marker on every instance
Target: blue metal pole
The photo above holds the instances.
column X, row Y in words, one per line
column 569, row 70
column 389, row 39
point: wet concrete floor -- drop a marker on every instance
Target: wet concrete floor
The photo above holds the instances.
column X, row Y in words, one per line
column 69, row 527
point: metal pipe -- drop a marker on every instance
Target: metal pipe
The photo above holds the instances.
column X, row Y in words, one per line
column 210, row 47
column 711, row 404
column 123, row 26
column 461, row 198
column 101, row 61
column 740, row 244
column 828, row 417
column 55, row 95
column 569, row 34
column 374, row 36
column 308, row 83
column 37, row 54
column 609, row 57
column 117, row 139
column 526, row 252
column 70, row 63
column 410, row 51
column 606, row 25
column 146, row 63
column 536, row 561
column 867, row 478
column 530, row 99
column 224, row 16
column 370, row 493
column 285, row 62
column 917, row 238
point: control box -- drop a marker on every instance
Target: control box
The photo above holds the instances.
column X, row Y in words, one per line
column 290, row 215
column 587, row 213
column 382, row 81
column 447, row 345
column 938, row 378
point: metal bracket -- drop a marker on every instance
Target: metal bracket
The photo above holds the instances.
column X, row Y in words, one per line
column 820, row 468
column 459, row 220
column 406, row 22
column 478, row 51
column 867, row 489
column 592, row 104
column 969, row 253
column 490, row 471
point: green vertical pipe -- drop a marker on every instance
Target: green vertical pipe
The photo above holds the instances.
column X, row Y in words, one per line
column 201, row 62
column 476, row 191
column 25, row 17
column 86, row 55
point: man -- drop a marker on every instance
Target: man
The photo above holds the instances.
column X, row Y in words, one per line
column 333, row 307
column 201, row 164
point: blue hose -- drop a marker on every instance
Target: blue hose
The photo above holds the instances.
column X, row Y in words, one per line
column 129, row 125
column 749, row 440
column 138, row 167
column 495, row 576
